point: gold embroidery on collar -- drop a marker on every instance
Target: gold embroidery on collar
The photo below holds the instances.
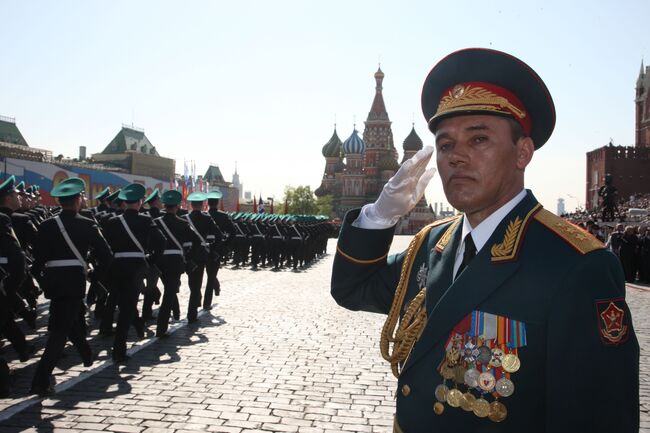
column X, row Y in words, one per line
column 446, row 237
column 507, row 249
column 478, row 98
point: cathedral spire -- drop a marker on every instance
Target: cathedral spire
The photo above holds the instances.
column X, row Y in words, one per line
column 378, row 109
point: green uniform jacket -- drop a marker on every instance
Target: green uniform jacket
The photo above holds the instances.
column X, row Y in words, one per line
column 579, row 373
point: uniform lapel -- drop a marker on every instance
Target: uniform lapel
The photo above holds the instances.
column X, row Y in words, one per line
column 452, row 301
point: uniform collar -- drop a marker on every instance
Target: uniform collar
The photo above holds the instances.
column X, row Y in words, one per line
column 482, row 232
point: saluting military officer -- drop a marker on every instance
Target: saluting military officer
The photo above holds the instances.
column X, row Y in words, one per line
column 133, row 237
column 61, row 260
column 205, row 227
column 172, row 262
column 151, row 291
column 506, row 318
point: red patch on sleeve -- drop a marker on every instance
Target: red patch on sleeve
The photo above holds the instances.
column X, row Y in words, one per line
column 613, row 321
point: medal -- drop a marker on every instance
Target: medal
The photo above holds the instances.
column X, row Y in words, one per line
column 486, row 381
column 453, row 356
column 459, row 374
column 441, row 393
column 498, row 411
column 484, row 355
column 497, row 357
column 438, row 408
column 470, row 352
column 481, row 408
column 467, row 403
column 505, row 387
column 454, row 397
column 511, row 363
column 471, row 377
column 447, row 372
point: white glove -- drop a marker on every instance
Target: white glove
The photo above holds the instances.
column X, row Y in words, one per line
column 402, row 191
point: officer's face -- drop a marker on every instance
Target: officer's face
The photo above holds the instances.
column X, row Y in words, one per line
column 480, row 166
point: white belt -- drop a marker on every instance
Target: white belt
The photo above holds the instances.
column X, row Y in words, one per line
column 172, row 252
column 4, row 260
column 129, row 255
column 187, row 244
column 209, row 237
column 63, row 263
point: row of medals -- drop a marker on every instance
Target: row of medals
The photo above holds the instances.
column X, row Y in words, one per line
column 461, row 365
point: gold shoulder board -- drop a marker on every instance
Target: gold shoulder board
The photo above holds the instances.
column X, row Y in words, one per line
column 578, row 238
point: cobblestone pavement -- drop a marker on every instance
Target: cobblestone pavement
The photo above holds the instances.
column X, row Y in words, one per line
column 274, row 354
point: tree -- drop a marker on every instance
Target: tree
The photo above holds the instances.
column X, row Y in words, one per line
column 324, row 205
column 301, row 200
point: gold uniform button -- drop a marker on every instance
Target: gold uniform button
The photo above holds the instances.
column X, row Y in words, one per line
column 406, row 390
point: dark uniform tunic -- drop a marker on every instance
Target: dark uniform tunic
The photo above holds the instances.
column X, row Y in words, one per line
column 129, row 269
column 221, row 242
column 579, row 367
column 152, row 292
column 207, row 230
column 63, row 280
column 172, row 262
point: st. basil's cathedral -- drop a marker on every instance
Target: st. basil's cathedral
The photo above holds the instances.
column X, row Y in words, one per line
column 357, row 169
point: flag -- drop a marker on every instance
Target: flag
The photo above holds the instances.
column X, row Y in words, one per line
column 184, row 189
column 237, row 208
column 254, row 204
column 260, row 206
column 286, row 207
column 271, row 210
column 186, row 172
column 171, row 183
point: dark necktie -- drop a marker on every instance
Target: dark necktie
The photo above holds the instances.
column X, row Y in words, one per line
column 468, row 255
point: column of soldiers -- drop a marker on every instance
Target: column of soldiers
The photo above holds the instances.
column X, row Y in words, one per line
column 125, row 246
column 632, row 246
column 121, row 248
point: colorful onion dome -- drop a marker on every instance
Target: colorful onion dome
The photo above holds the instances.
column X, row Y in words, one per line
column 412, row 142
column 333, row 147
column 354, row 144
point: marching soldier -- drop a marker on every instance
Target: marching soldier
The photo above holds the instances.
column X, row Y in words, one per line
column 204, row 226
column 151, row 291
column 506, row 314
column 102, row 202
column 219, row 247
column 132, row 237
column 178, row 232
column 61, row 253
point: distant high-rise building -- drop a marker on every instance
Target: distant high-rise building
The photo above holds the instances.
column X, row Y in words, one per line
column 560, row 206
column 236, row 183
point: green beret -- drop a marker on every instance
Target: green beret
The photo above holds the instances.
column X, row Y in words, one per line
column 8, row 186
column 214, row 195
column 113, row 196
column 153, row 196
column 132, row 192
column 197, row 196
column 171, row 197
column 69, row 188
column 105, row 193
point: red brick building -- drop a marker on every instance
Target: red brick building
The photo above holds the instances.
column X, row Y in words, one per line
column 629, row 165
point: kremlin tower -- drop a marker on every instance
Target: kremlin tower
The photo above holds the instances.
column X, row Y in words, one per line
column 357, row 169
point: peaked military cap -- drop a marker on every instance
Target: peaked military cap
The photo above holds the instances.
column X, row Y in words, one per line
column 69, row 188
column 105, row 193
column 153, row 196
column 214, row 195
column 113, row 196
column 197, row 196
column 482, row 81
column 132, row 192
column 8, row 186
column 21, row 186
column 171, row 198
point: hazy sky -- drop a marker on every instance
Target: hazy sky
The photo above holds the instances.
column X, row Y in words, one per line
column 261, row 82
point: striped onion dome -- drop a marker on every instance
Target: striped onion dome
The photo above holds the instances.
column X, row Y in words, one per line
column 413, row 141
column 333, row 147
column 354, row 144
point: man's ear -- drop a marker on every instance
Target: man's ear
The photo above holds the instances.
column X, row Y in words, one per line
column 525, row 151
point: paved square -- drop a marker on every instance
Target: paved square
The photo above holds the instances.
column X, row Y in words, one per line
column 275, row 354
